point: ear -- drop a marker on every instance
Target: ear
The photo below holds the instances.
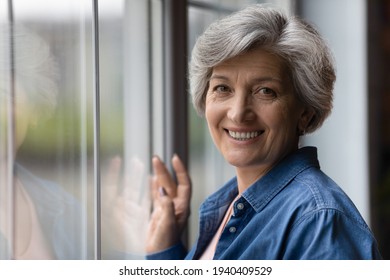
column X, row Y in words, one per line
column 305, row 119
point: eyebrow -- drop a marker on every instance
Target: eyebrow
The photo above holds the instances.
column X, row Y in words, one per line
column 262, row 79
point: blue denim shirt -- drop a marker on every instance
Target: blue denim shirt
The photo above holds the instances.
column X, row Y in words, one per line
column 295, row 211
column 56, row 210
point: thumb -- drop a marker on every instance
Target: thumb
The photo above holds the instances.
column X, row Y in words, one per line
column 167, row 207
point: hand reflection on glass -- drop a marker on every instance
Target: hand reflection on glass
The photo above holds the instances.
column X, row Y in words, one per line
column 125, row 210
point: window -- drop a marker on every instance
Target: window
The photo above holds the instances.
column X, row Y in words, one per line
column 80, row 105
column 89, row 91
column 48, row 140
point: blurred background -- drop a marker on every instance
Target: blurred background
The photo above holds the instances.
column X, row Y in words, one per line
column 120, row 91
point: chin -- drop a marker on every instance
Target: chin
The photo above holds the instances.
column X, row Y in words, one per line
column 242, row 162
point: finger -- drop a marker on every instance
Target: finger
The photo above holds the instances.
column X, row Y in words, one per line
column 167, row 206
column 111, row 183
column 184, row 182
column 147, row 197
column 134, row 175
column 164, row 207
column 164, row 177
column 113, row 171
column 161, row 205
column 163, row 229
column 154, row 189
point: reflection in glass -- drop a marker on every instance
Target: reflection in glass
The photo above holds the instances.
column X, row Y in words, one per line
column 46, row 215
column 40, row 208
column 126, row 124
column 48, row 194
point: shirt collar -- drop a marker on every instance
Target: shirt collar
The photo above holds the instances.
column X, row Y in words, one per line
column 266, row 188
column 46, row 195
column 221, row 198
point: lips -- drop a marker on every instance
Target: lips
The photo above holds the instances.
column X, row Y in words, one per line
column 244, row 136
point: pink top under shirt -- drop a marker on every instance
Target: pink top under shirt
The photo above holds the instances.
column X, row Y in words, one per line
column 208, row 254
column 38, row 248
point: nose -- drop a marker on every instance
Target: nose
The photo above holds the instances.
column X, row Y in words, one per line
column 241, row 108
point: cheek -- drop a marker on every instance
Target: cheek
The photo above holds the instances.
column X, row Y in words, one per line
column 210, row 119
column 211, row 112
column 24, row 115
column 214, row 114
column 21, row 125
column 280, row 119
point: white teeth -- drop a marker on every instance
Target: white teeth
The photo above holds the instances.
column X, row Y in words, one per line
column 242, row 136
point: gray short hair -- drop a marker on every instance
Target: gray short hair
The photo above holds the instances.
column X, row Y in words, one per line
column 34, row 66
column 305, row 52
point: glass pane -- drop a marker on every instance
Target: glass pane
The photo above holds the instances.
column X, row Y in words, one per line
column 56, row 183
column 129, row 42
column 52, row 185
column 111, row 18
column 6, row 136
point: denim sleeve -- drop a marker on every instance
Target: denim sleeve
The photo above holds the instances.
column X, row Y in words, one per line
column 329, row 234
column 176, row 252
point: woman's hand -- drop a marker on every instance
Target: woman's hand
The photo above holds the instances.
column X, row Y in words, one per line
column 171, row 205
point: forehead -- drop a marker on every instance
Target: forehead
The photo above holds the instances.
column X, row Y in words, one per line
column 253, row 63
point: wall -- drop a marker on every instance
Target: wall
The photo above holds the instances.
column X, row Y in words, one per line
column 343, row 141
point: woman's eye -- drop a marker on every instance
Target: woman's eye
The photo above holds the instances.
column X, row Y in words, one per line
column 221, row 89
column 266, row 93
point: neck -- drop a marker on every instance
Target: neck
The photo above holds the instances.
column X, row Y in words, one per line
column 248, row 175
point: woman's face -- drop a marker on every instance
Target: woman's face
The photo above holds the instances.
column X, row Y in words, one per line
column 252, row 112
column 24, row 116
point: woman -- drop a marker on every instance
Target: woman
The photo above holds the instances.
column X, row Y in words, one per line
column 41, row 227
column 261, row 80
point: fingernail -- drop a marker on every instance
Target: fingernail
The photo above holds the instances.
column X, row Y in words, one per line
column 175, row 156
column 162, row 191
column 156, row 158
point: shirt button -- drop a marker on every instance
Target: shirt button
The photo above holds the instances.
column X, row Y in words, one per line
column 232, row 229
column 240, row 206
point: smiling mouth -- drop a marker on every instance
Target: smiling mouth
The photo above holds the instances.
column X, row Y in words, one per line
column 244, row 136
